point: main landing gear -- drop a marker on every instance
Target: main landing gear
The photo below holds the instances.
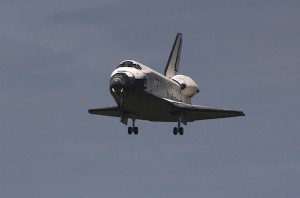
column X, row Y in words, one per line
column 133, row 129
column 179, row 129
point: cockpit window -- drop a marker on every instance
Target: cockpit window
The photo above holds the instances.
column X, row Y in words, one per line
column 130, row 64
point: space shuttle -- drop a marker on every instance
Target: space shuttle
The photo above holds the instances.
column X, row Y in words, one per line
column 141, row 93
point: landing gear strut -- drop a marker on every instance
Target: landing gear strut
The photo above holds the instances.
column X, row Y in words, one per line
column 133, row 129
column 179, row 129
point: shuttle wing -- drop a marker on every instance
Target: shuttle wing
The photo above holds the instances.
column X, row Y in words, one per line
column 196, row 112
column 166, row 110
column 107, row 111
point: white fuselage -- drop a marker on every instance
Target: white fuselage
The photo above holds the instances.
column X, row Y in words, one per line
column 154, row 83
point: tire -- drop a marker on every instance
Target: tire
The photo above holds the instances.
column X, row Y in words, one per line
column 130, row 130
column 181, row 131
column 135, row 130
column 175, row 130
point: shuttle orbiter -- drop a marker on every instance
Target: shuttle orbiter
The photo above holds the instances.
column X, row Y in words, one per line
column 144, row 94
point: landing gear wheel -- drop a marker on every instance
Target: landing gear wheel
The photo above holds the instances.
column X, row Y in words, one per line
column 130, row 130
column 181, row 131
column 135, row 130
column 175, row 130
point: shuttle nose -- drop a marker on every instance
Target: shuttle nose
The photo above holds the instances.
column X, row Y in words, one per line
column 119, row 82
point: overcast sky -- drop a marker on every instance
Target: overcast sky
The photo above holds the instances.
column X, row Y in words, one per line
column 55, row 61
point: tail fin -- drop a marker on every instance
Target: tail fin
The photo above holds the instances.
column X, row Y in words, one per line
column 174, row 58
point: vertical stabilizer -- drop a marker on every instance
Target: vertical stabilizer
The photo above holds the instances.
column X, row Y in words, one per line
column 174, row 58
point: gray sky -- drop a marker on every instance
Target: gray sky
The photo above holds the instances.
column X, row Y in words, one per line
column 55, row 61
